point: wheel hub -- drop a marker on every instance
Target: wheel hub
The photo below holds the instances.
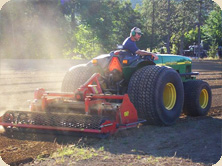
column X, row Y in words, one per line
column 169, row 96
column 204, row 97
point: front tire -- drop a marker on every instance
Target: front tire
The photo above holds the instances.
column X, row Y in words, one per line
column 197, row 98
column 157, row 94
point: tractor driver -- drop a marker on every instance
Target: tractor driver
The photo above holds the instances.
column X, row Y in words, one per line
column 130, row 44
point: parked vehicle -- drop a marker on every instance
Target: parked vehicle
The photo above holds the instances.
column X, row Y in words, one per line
column 193, row 52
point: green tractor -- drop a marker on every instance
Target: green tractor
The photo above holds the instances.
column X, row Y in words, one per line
column 159, row 90
column 113, row 92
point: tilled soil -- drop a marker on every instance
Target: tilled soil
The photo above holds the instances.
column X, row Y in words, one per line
column 191, row 141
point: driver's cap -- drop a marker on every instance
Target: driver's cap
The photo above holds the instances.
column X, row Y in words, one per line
column 136, row 30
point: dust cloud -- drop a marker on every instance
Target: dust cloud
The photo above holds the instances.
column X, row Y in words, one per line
column 32, row 29
column 20, row 77
column 30, row 51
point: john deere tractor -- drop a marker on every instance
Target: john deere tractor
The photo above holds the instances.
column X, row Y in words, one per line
column 159, row 90
column 113, row 92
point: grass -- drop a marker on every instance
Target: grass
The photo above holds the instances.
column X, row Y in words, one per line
column 78, row 153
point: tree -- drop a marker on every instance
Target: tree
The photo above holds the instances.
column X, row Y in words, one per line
column 213, row 49
column 186, row 18
column 168, row 20
column 193, row 17
column 160, row 21
column 43, row 29
column 108, row 20
column 212, row 30
column 86, row 44
column 149, row 15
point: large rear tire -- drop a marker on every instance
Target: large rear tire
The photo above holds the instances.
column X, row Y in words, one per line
column 157, row 94
column 197, row 98
column 75, row 77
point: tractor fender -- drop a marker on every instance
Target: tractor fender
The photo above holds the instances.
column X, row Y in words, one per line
column 141, row 63
column 129, row 70
column 76, row 66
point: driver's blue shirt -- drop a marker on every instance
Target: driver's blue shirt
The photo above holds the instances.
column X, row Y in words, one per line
column 130, row 45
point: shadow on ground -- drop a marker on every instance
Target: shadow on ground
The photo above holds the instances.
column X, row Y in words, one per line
column 197, row 139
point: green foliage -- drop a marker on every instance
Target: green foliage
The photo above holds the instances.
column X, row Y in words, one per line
column 213, row 50
column 212, row 30
column 108, row 23
column 174, row 49
column 85, row 44
column 191, row 37
column 86, row 28
column 110, row 20
column 78, row 153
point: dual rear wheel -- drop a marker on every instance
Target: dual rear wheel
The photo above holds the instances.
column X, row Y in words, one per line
column 159, row 95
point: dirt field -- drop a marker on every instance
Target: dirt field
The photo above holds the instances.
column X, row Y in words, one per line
column 191, row 141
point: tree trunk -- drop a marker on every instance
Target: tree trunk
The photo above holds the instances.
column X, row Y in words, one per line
column 183, row 31
column 153, row 26
column 168, row 28
column 199, row 23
